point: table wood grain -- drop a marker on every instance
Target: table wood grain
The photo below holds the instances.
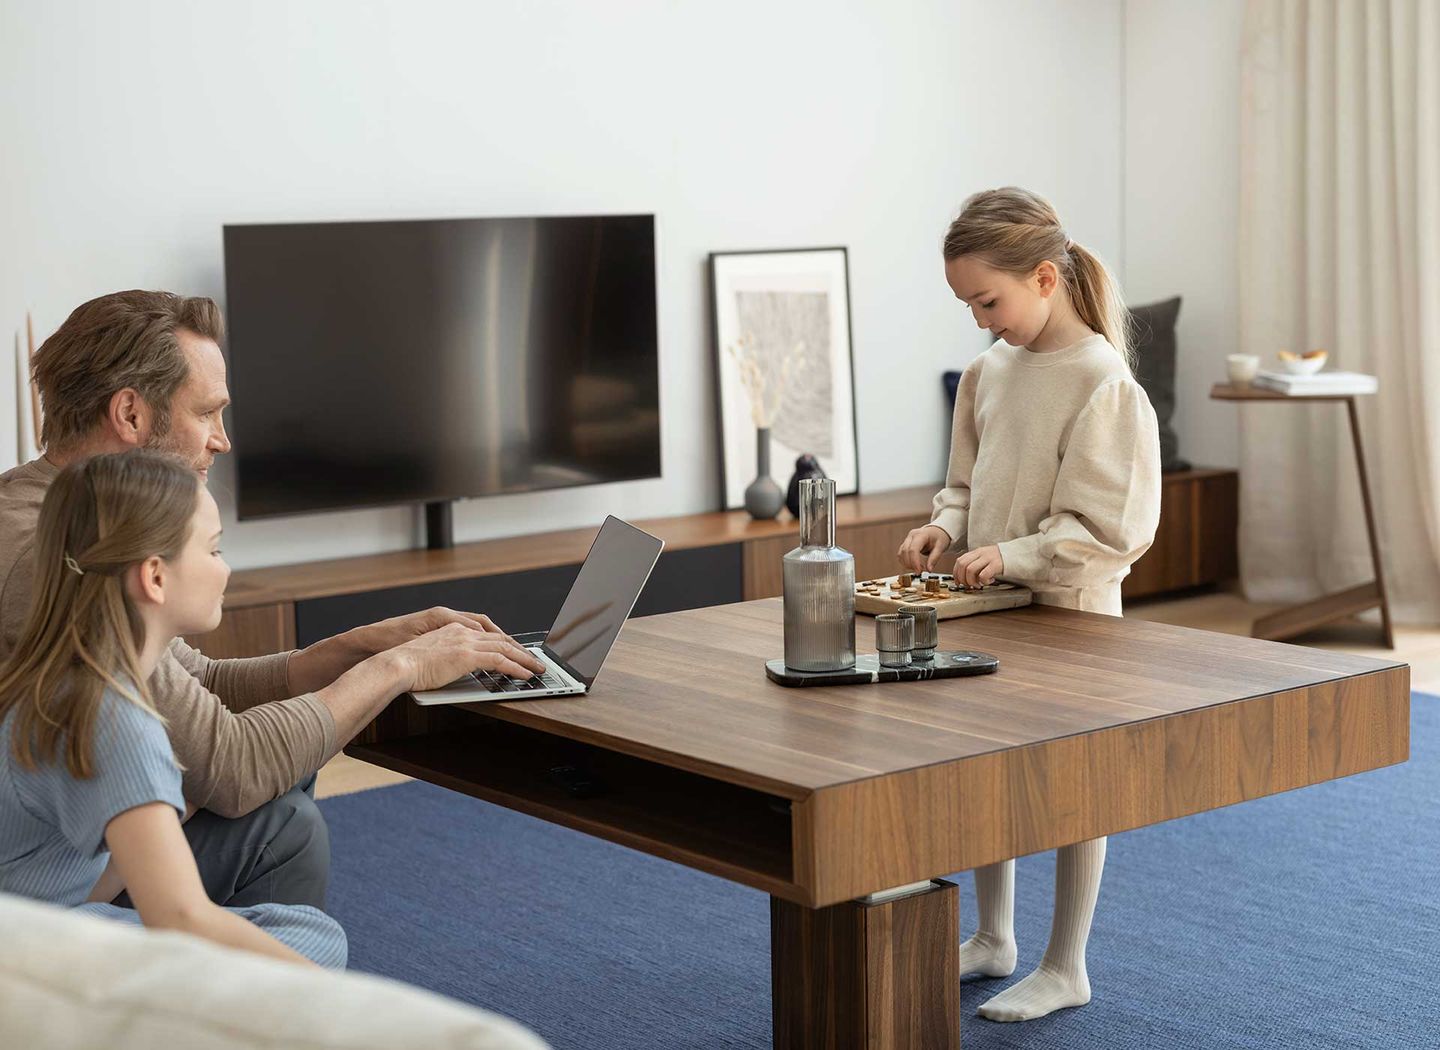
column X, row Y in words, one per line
column 688, row 689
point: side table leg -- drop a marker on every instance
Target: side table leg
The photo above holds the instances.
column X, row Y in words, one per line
column 868, row 976
column 1385, row 625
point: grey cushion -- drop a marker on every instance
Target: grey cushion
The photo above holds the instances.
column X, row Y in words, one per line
column 1152, row 333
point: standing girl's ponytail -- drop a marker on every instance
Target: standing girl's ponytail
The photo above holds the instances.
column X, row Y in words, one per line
column 1096, row 297
column 1016, row 230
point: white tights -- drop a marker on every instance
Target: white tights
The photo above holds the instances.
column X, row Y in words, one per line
column 1060, row 980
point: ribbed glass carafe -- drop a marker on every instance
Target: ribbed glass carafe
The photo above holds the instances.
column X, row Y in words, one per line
column 819, row 588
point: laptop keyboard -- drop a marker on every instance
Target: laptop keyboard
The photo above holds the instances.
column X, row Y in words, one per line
column 500, row 683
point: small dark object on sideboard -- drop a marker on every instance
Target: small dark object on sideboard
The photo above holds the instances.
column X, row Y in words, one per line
column 806, row 466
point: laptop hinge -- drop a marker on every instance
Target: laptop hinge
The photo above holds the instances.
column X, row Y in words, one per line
column 576, row 678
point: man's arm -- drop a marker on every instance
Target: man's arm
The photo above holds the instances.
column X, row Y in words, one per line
column 426, row 661
column 241, row 683
column 320, row 665
column 236, row 762
column 248, row 682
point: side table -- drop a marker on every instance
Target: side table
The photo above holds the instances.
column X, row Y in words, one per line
column 1297, row 619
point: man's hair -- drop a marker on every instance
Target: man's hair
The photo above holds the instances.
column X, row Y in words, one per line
column 120, row 340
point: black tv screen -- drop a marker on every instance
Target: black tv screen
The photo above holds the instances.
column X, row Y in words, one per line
column 376, row 363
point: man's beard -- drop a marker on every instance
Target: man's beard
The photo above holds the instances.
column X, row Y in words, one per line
column 165, row 443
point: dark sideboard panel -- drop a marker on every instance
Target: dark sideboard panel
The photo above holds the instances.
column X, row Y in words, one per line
column 517, row 601
column 693, row 579
column 529, row 601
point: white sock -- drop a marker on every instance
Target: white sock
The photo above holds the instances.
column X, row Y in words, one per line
column 1060, row 980
column 992, row 950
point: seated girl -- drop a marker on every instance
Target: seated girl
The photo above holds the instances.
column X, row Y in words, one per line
column 126, row 558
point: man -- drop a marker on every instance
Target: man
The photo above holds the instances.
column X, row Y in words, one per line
column 144, row 369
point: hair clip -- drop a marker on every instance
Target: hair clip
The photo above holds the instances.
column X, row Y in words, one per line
column 74, row 566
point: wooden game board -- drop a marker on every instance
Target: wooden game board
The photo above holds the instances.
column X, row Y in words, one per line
column 894, row 593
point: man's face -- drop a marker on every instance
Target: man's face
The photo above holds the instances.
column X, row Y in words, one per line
column 197, row 428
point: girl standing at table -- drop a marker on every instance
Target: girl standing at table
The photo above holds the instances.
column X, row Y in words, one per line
column 1053, row 483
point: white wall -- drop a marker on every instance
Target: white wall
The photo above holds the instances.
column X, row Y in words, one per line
column 1182, row 196
column 131, row 132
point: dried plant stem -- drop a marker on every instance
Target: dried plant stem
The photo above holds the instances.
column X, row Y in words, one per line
column 764, row 383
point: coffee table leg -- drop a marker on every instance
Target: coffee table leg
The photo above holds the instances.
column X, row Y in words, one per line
column 868, row 976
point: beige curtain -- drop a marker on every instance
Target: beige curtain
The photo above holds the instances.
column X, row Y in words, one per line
column 1340, row 249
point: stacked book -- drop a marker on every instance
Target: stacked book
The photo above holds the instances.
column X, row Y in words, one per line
column 1333, row 384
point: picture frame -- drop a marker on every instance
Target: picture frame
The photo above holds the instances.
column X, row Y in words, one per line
column 786, row 311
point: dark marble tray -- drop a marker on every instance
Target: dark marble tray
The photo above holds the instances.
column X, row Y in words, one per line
column 947, row 663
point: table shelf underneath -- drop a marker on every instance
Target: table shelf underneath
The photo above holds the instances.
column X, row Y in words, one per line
column 721, row 828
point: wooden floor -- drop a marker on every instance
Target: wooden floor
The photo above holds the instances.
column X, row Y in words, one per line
column 1212, row 611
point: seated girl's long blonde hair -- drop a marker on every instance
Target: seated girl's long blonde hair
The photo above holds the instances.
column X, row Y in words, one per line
column 1015, row 230
column 100, row 517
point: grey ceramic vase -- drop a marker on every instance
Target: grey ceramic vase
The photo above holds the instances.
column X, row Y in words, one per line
column 763, row 497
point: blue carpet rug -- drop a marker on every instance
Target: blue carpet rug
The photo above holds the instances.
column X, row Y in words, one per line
column 1305, row 920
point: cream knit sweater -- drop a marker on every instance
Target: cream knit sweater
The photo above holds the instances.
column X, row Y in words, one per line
column 1055, row 457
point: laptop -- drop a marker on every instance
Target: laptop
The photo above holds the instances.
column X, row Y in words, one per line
column 603, row 595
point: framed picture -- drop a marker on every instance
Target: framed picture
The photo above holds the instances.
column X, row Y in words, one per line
column 783, row 362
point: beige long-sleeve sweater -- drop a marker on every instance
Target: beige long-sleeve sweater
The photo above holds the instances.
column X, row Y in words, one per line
column 241, row 739
column 1055, row 458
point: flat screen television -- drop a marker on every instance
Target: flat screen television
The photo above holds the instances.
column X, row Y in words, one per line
column 375, row 363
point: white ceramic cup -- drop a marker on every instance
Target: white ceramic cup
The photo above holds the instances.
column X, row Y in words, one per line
column 1242, row 368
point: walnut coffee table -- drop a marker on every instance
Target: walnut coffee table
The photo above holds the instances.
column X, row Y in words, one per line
column 844, row 804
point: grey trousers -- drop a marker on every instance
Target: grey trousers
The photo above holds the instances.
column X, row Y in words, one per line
column 277, row 854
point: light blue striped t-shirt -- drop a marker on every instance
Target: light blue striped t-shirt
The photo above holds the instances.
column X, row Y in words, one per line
column 52, row 825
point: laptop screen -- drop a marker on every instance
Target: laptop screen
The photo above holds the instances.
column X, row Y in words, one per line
column 602, row 596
